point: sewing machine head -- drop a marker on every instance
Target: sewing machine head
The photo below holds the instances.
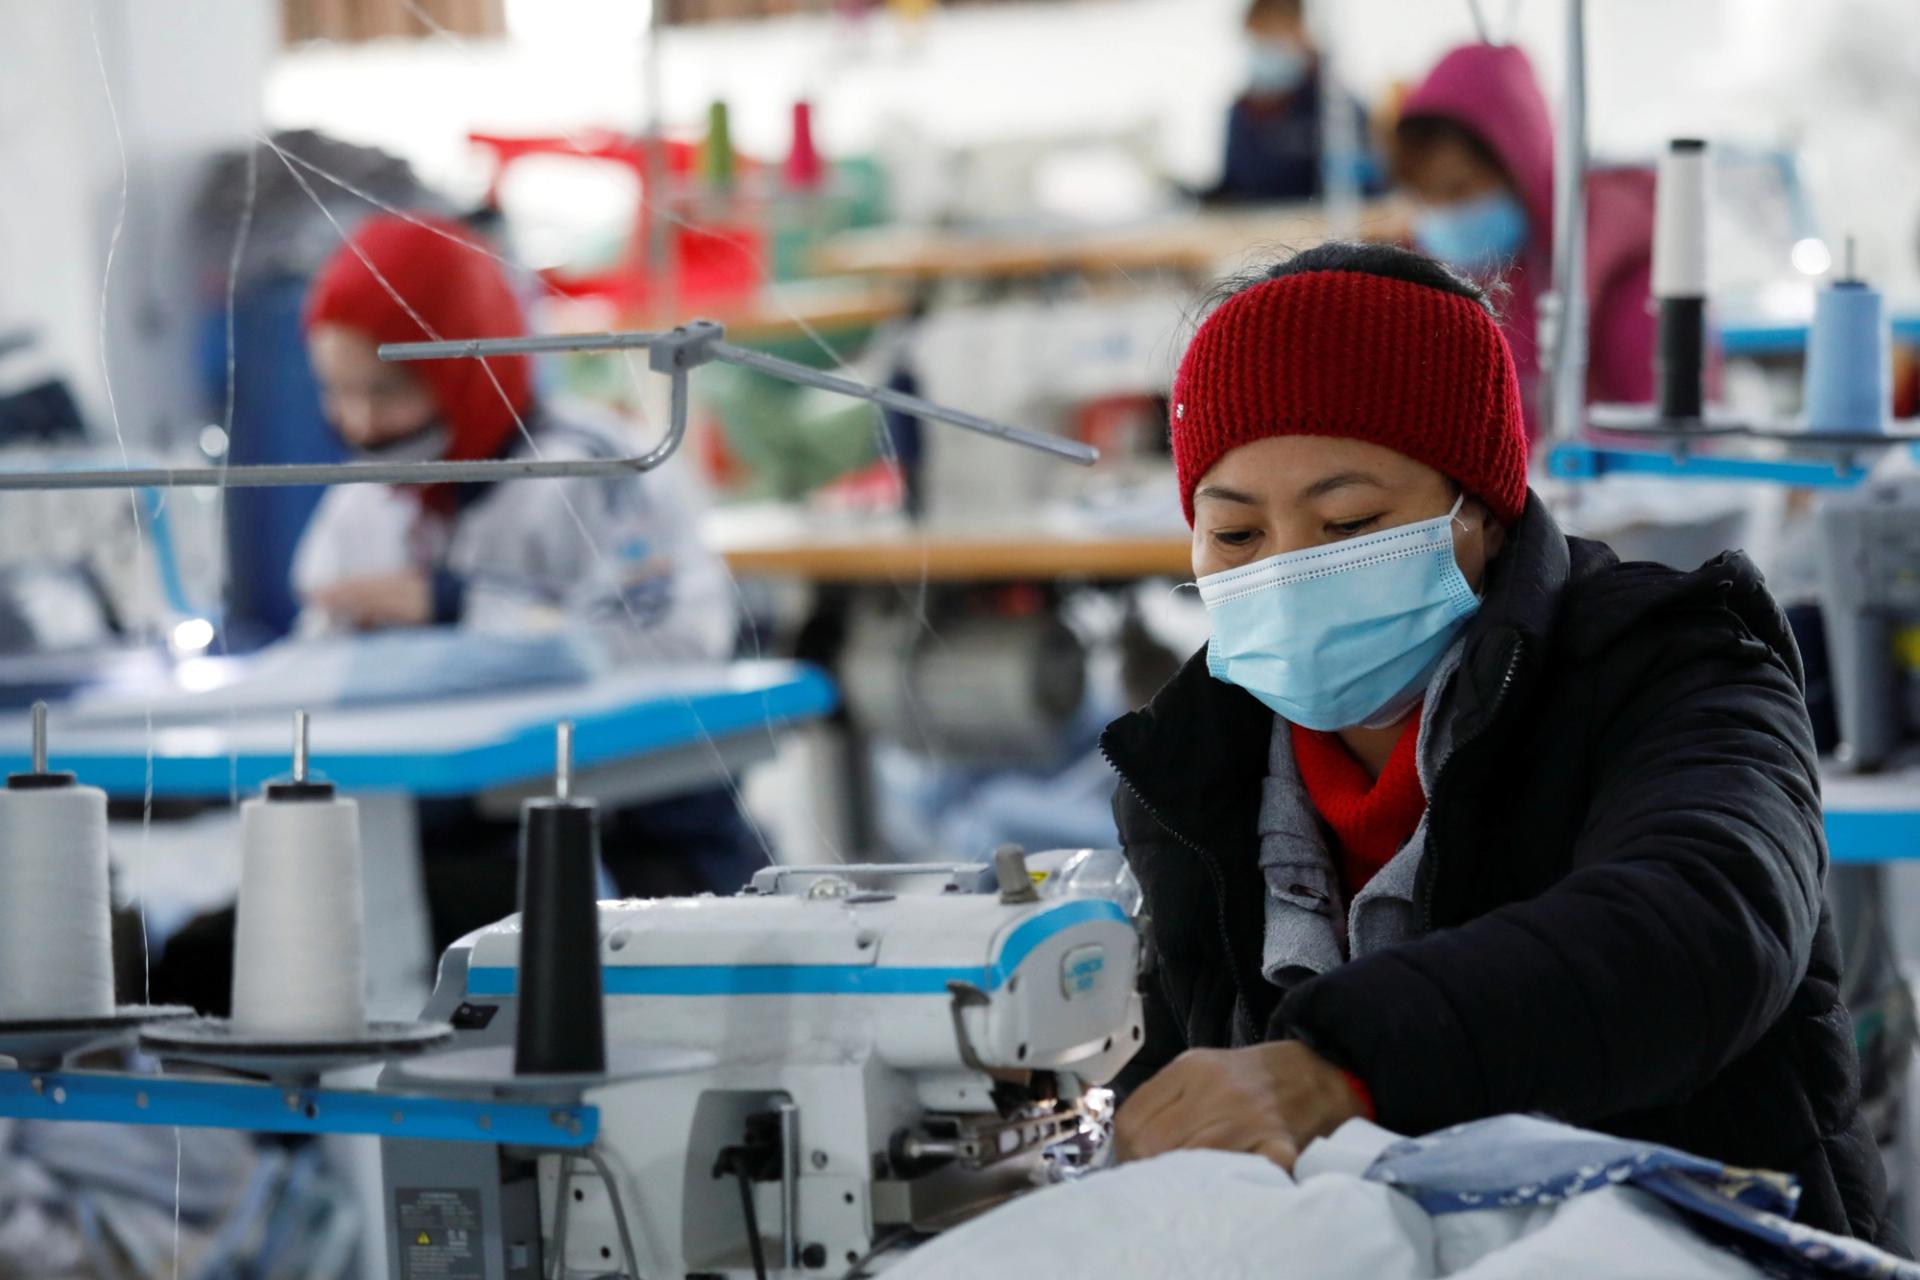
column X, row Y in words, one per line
column 888, row 1051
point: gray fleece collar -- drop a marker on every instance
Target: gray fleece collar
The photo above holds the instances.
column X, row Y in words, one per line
column 1309, row 927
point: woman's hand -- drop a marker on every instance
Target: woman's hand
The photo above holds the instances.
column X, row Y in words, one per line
column 1267, row 1099
column 402, row 599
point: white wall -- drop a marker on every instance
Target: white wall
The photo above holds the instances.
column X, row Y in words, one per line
column 1840, row 78
column 185, row 78
column 962, row 76
column 52, row 120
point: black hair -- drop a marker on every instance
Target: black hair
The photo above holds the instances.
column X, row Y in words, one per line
column 1416, row 134
column 1295, row 9
column 1388, row 260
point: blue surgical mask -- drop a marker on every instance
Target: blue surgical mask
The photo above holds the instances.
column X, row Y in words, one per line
column 1478, row 236
column 1275, row 66
column 1345, row 634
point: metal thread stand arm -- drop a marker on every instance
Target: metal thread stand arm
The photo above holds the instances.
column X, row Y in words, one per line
column 271, row 475
column 702, row 341
column 675, row 353
column 1072, row 451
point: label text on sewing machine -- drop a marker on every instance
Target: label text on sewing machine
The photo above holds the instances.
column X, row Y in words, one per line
column 1080, row 970
column 441, row 1233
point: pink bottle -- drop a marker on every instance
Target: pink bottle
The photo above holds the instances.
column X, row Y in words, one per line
column 804, row 169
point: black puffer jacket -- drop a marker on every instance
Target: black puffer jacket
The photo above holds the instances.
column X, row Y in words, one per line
column 1622, row 882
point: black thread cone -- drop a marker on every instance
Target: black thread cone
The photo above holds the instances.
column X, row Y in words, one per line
column 1680, row 372
column 561, row 1018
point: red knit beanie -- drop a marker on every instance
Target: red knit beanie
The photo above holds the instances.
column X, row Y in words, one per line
column 1406, row 366
column 448, row 287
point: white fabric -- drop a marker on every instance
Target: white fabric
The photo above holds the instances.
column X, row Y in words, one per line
column 542, row 554
column 1212, row 1214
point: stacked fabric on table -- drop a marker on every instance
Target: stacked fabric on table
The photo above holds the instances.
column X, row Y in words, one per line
column 1509, row 1197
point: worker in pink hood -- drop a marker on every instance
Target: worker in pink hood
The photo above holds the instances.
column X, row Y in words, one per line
column 1474, row 148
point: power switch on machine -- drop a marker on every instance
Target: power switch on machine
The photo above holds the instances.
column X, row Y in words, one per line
column 472, row 1017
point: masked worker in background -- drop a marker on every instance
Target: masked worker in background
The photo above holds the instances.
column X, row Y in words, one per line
column 1474, row 149
column 618, row 559
column 509, row 556
column 1456, row 815
column 1274, row 131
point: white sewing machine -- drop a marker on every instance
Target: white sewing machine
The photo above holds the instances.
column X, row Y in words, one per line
column 847, row 1065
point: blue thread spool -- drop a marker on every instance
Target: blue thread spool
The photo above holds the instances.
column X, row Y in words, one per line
column 1849, row 381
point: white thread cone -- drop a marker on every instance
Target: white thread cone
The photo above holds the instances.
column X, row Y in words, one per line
column 56, row 937
column 299, row 959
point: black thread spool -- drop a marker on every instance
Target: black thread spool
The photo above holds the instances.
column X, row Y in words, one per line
column 562, row 1022
column 1680, row 280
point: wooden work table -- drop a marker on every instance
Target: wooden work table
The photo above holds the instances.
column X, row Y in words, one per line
column 900, row 553
column 792, row 309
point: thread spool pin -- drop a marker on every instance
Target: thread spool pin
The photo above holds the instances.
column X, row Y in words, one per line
column 1852, row 274
column 39, row 775
column 301, row 784
column 299, row 746
column 563, row 761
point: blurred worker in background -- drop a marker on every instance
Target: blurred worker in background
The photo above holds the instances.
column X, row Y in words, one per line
column 1474, row 149
column 1455, row 815
column 1274, row 132
column 618, row 559
column 615, row 561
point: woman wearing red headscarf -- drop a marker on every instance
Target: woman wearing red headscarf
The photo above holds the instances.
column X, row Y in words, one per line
column 618, row 558
column 1474, row 149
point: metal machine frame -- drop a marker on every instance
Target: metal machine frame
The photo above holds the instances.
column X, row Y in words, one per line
column 674, row 352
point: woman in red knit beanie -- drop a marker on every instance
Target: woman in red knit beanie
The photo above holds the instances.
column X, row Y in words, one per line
column 1456, row 815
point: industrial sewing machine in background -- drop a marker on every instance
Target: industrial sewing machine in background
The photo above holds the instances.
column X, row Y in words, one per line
column 850, row 1062
column 1870, row 601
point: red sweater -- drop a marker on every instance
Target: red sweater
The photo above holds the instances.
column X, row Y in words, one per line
column 1370, row 817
